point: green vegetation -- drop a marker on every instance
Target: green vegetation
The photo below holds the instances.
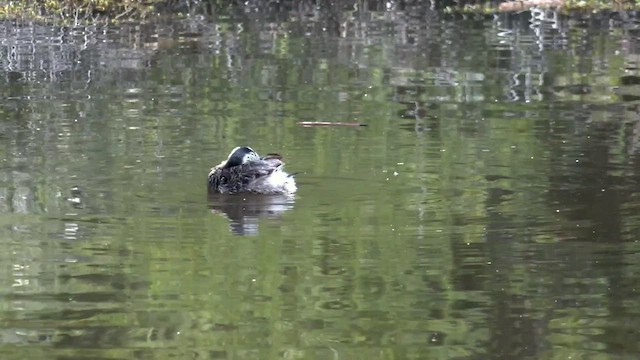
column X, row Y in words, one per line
column 562, row 5
column 78, row 10
column 88, row 11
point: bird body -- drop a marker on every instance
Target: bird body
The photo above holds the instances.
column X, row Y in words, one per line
column 244, row 171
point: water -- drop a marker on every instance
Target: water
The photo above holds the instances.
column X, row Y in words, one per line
column 487, row 211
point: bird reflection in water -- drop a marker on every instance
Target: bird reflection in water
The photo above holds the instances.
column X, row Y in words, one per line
column 244, row 211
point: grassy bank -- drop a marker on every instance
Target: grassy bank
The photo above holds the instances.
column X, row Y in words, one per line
column 69, row 11
column 561, row 5
column 88, row 11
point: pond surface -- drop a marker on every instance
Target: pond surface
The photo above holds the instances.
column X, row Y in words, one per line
column 489, row 210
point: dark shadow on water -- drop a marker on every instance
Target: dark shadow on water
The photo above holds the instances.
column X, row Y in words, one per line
column 244, row 211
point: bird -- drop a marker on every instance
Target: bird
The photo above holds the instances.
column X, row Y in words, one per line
column 244, row 171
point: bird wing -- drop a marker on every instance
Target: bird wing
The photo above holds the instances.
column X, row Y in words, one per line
column 256, row 169
column 237, row 178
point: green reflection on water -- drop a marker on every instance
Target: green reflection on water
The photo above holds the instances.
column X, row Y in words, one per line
column 453, row 226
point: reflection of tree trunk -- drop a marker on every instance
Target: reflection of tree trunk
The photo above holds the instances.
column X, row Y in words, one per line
column 634, row 139
column 512, row 335
column 591, row 194
column 586, row 192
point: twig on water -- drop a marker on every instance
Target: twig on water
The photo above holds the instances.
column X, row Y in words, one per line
column 329, row 123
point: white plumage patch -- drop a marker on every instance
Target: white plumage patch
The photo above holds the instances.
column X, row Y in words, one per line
column 278, row 182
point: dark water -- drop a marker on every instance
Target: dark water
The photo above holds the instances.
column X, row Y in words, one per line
column 489, row 210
